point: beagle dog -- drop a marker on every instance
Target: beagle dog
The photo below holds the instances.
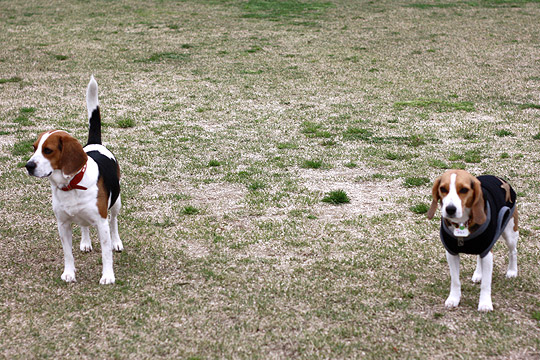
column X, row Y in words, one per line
column 475, row 211
column 85, row 184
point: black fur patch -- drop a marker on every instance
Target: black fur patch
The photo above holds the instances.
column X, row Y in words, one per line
column 108, row 169
column 94, row 132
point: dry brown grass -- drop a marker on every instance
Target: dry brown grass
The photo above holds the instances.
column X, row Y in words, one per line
column 262, row 268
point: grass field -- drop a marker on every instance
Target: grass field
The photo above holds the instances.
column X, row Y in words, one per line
column 232, row 121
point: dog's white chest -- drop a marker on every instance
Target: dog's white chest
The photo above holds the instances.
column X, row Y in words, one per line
column 74, row 206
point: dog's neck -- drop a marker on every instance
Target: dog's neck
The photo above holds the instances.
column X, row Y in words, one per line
column 466, row 220
column 60, row 180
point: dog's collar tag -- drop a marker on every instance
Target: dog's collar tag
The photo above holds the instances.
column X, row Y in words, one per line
column 462, row 231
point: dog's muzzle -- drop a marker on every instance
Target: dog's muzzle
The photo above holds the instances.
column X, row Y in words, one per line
column 451, row 210
column 31, row 167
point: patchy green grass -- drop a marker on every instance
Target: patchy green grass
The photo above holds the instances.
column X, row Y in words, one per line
column 479, row 3
column 316, row 130
column 287, row 145
column 10, row 80
column 166, row 56
column 503, row 133
column 190, row 210
column 23, row 118
column 22, row 148
column 276, row 9
column 415, row 181
column 336, row 197
column 125, row 123
column 354, row 133
column 256, row 185
column 469, row 156
column 529, row 106
column 421, row 208
column 231, row 121
column 27, row 110
column 312, row 164
column 436, row 104
column 437, row 5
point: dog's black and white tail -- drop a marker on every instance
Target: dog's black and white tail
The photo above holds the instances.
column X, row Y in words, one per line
column 94, row 118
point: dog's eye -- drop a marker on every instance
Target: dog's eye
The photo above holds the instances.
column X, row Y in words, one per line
column 443, row 190
column 47, row 151
column 463, row 191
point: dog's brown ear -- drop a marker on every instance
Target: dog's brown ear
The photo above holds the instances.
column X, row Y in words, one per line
column 436, row 198
column 478, row 213
column 73, row 156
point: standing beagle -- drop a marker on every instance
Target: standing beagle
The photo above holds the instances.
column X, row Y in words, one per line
column 85, row 184
column 476, row 211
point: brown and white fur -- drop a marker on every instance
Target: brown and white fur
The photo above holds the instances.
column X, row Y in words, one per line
column 462, row 201
column 61, row 158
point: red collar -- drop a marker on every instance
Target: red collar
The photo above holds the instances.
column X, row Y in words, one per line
column 74, row 183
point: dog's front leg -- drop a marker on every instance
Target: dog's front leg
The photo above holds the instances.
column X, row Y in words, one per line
column 455, row 286
column 66, row 236
column 485, row 303
column 106, row 252
column 477, row 275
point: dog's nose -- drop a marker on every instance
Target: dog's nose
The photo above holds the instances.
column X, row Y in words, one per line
column 31, row 166
column 451, row 210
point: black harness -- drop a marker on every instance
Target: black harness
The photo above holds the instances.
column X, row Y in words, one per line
column 500, row 201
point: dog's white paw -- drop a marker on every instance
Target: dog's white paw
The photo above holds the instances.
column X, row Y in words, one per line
column 68, row 276
column 452, row 302
column 107, row 279
column 485, row 305
column 86, row 247
column 511, row 274
column 117, row 246
column 477, row 277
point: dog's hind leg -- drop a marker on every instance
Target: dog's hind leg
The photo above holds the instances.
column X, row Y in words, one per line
column 106, row 252
column 511, row 235
column 86, row 243
column 115, row 237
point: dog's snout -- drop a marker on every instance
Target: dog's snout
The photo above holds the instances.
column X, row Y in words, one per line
column 31, row 166
column 451, row 210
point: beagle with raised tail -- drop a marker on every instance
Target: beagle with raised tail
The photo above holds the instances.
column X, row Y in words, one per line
column 475, row 211
column 85, row 185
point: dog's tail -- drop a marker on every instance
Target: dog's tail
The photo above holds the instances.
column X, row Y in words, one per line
column 94, row 118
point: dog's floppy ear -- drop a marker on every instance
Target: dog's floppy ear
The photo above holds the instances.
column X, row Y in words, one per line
column 73, row 156
column 478, row 213
column 436, row 198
